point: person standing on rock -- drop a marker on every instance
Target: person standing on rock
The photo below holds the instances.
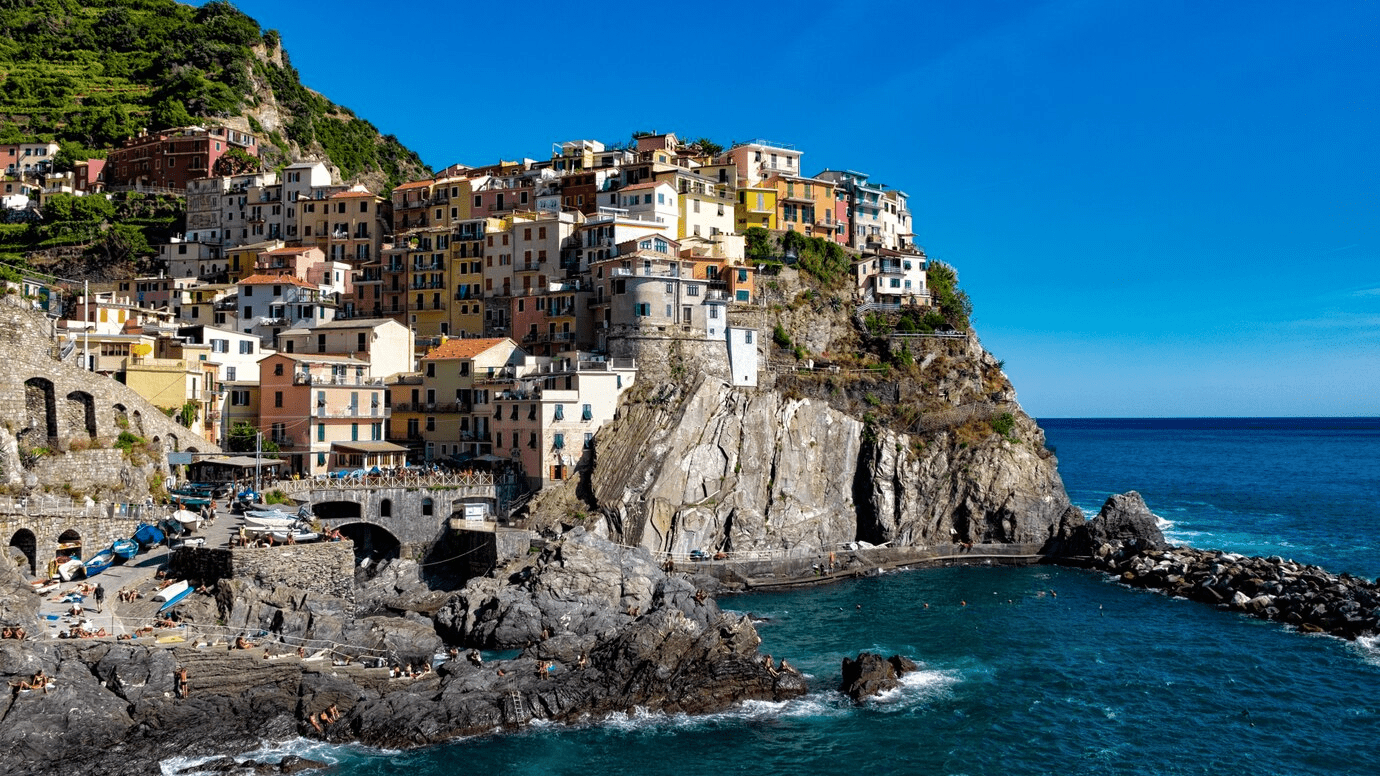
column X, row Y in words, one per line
column 100, row 597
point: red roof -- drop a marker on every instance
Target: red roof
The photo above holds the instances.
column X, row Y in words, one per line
column 264, row 280
column 463, row 348
column 414, row 185
column 647, row 185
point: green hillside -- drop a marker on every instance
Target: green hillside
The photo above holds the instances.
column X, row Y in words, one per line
column 88, row 74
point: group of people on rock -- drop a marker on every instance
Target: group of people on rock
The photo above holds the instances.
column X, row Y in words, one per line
column 409, row 672
column 82, row 632
column 321, row 719
column 17, row 632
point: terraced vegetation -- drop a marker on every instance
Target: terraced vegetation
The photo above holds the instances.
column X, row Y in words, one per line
column 89, row 74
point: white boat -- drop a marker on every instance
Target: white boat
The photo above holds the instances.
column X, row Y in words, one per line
column 185, row 517
column 70, row 569
column 280, row 523
column 281, row 535
column 171, row 591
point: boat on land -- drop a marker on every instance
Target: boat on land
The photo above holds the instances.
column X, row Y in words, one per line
column 185, row 517
column 299, row 536
column 279, row 522
column 176, row 597
column 68, row 570
column 99, row 562
column 148, row 535
column 125, row 548
column 176, row 590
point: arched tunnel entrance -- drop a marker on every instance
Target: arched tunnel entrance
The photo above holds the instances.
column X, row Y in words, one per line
column 374, row 544
column 24, row 549
column 337, row 510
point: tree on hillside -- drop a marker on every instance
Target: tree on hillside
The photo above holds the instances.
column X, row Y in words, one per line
column 706, row 146
column 237, row 161
column 757, row 242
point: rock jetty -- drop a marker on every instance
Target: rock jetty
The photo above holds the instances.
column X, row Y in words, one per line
column 1124, row 541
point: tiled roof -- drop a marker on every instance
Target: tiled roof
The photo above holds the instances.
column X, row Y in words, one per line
column 287, row 251
column 264, row 280
column 647, row 185
column 339, row 195
column 413, row 185
column 463, row 348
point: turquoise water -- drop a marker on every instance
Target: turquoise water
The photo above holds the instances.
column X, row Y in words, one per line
column 1045, row 670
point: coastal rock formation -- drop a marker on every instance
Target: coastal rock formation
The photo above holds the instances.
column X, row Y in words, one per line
column 1123, row 523
column 610, row 633
column 872, row 675
column 732, row 470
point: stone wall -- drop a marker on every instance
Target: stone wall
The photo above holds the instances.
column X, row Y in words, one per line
column 327, row 568
column 38, row 533
column 49, row 407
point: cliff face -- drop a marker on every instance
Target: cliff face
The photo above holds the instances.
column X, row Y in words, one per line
column 800, row 467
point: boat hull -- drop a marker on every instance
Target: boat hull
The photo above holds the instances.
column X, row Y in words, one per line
column 99, row 562
column 125, row 548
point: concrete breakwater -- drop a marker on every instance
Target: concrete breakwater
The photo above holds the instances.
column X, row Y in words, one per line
column 1270, row 588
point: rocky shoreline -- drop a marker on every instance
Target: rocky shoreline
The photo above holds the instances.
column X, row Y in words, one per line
column 601, row 630
column 1125, row 542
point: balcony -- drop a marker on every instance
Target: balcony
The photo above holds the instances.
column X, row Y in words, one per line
column 308, row 378
column 437, row 407
column 366, row 413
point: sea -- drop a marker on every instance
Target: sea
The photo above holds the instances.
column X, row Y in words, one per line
column 1041, row 670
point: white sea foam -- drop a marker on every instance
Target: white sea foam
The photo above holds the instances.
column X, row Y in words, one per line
column 273, row 751
column 916, row 688
column 1368, row 647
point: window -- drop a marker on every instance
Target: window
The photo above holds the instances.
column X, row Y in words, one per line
column 747, row 337
column 246, row 346
column 278, row 370
column 277, row 398
column 713, row 312
column 354, row 432
column 230, row 373
column 428, row 507
column 589, row 440
column 644, row 309
column 560, row 412
column 321, row 432
column 560, row 441
column 430, row 423
column 587, row 412
column 692, row 290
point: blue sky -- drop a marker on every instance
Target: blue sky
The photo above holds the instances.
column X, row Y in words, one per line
column 1158, row 208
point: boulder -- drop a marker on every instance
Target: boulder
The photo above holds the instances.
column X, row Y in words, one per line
column 869, row 675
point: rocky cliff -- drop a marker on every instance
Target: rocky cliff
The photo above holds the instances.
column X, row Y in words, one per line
column 927, row 448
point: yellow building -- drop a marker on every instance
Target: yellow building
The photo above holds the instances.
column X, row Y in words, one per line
column 756, row 207
column 804, row 204
column 243, row 259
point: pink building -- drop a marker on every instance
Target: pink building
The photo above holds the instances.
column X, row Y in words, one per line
column 320, row 408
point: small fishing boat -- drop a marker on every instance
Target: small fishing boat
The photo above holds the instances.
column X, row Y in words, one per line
column 280, row 522
column 148, row 535
column 281, row 536
column 99, row 562
column 69, row 570
column 171, row 602
column 174, row 591
column 125, row 548
column 185, row 517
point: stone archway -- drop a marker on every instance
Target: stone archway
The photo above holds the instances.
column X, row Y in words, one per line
column 121, row 417
column 338, row 510
column 138, row 423
column 69, row 543
column 24, row 545
column 81, row 414
column 371, row 541
column 40, row 405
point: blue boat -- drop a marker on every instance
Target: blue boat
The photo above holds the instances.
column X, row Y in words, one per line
column 172, row 601
column 148, row 535
column 125, row 548
column 99, row 562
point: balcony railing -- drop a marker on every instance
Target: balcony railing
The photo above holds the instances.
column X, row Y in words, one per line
column 371, row 412
column 440, row 407
column 308, row 378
